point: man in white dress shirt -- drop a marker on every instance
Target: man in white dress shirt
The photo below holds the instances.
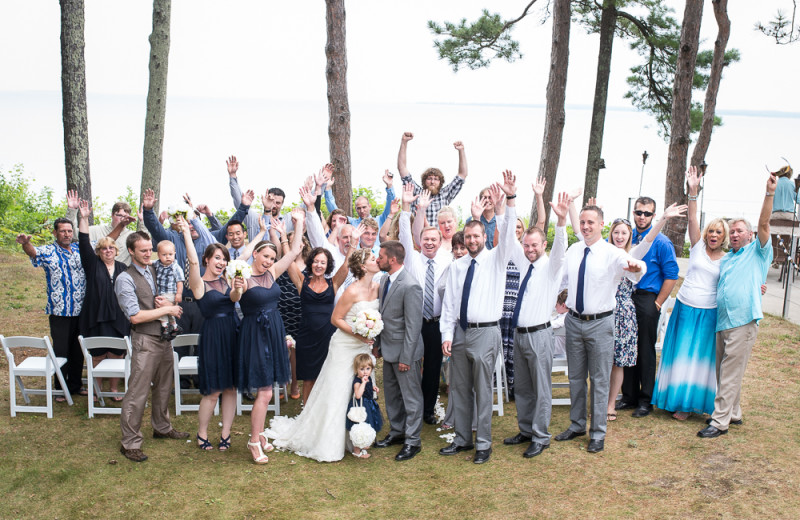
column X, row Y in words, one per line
column 594, row 269
column 471, row 310
column 533, row 335
column 427, row 267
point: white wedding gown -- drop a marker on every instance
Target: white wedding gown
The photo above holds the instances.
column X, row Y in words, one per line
column 319, row 431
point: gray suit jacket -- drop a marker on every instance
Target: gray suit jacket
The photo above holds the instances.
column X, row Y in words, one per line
column 400, row 341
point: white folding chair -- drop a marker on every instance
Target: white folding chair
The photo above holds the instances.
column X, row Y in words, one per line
column 560, row 365
column 45, row 366
column 185, row 366
column 274, row 407
column 500, row 384
column 663, row 321
column 107, row 368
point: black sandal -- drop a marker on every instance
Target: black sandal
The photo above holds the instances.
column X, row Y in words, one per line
column 224, row 444
column 204, row 444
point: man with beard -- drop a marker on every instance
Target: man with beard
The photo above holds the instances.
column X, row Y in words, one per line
column 473, row 303
column 276, row 195
column 433, row 179
column 649, row 295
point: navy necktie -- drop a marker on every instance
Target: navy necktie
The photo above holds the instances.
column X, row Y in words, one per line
column 235, row 254
column 581, row 273
column 520, row 294
column 386, row 287
column 462, row 321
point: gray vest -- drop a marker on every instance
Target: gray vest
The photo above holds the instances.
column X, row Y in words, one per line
column 146, row 301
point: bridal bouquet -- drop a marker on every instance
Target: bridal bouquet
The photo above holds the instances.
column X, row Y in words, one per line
column 175, row 210
column 367, row 323
column 238, row 268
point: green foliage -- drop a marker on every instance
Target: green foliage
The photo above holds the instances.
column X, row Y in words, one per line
column 22, row 210
column 467, row 43
column 376, row 198
column 782, row 28
column 551, row 235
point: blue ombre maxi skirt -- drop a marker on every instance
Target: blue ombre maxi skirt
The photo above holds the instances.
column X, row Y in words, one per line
column 687, row 379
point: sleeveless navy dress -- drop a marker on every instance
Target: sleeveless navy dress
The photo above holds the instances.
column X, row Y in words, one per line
column 315, row 330
column 218, row 344
column 263, row 358
column 374, row 417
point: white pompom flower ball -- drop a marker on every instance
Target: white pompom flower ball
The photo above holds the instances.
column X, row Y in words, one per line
column 362, row 435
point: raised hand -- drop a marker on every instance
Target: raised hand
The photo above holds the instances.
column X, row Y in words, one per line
column 388, row 179
column 407, row 136
column 233, row 165
column 148, row 199
column 248, row 197
column 675, row 211
column 309, row 183
column 593, row 202
column 693, row 177
column 84, row 209
column 298, row 216
column 509, row 185
column 72, row 199
column 140, row 213
column 268, row 201
column 277, row 225
column 323, row 175
column 539, row 185
column 497, row 193
column 477, row 207
column 330, row 182
column 23, row 239
column 163, row 216
column 183, row 226
column 633, row 267
column 772, row 183
column 204, row 209
column 561, row 207
column 408, row 194
column 188, row 200
column 307, row 197
column 394, row 207
column 424, row 199
column 355, row 238
column 262, row 223
column 575, row 194
column 458, row 145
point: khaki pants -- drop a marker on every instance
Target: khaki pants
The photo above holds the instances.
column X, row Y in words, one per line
column 151, row 362
column 733, row 353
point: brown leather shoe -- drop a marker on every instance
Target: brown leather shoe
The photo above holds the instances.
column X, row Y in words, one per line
column 136, row 455
column 172, row 434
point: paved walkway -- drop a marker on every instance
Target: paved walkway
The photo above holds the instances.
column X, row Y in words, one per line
column 772, row 302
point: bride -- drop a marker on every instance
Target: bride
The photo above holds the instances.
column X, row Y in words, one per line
column 319, row 431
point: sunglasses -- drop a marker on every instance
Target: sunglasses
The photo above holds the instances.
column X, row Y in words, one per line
column 623, row 220
column 640, row 213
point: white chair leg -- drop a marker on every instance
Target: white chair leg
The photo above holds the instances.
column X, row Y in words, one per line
column 49, row 395
column 13, row 396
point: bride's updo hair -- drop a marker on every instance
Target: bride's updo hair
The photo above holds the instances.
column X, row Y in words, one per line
column 357, row 261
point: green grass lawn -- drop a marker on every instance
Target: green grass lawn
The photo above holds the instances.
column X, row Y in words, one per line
column 655, row 467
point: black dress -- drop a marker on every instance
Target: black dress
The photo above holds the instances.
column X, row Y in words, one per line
column 218, row 345
column 100, row 314
column 369, row 401
column 315, row 330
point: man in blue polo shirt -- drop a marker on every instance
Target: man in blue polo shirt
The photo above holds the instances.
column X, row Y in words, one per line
column 650, row 294
column 741, row 272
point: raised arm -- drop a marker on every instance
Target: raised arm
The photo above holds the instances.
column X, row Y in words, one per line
column 558, row 251
column 462, row 159
column 538, row 190
column 402, row 167
column 766, row 210
column 388, row 180
column 248, row 251
column 643, row 247
column 421, row 216
column 693, row 177
column 507, row 217
column 150, row 220
column 298, row 216
column 574, row 219
column 387, row 224
column 233, row 182
column 193, row 276
column 73, row 202
column 296, row 276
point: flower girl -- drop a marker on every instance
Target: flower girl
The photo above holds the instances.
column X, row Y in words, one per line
column 364, row 391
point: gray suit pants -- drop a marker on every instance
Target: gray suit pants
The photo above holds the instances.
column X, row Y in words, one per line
column 473, row 355
column 533, row 366
column 590, row 350
column 403, row 394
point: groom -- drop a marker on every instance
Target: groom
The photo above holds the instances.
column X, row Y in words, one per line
column 401, row 348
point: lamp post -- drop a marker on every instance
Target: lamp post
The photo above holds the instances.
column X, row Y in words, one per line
column 641, row 177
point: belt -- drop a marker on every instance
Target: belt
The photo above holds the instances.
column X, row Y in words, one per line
column 643, row 291
column 590, row 317
column 435, row 319
column 482, row 325
column 535, row 328
column 187, row 299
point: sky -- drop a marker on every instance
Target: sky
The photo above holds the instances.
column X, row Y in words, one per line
column 248, row 78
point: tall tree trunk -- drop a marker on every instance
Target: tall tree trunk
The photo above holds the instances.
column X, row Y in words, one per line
column 73, row 99
column 156, row 99
column 680, row 129
column 715, row 76
column 608, row 24
column 338, row 105
column 554, row 111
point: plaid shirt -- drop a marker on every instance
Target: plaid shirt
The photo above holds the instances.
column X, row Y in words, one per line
column 167, row 277
column 66, row 281
column 438, row 201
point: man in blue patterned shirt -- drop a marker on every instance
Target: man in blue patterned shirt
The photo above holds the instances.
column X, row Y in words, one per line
column 66, row 287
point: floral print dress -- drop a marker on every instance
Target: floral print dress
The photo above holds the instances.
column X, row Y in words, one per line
column 625, row 328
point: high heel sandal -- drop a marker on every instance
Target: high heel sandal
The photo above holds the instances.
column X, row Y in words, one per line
column 224, row 443
column 204, row 444
column 269, row 447
column 261, row 459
